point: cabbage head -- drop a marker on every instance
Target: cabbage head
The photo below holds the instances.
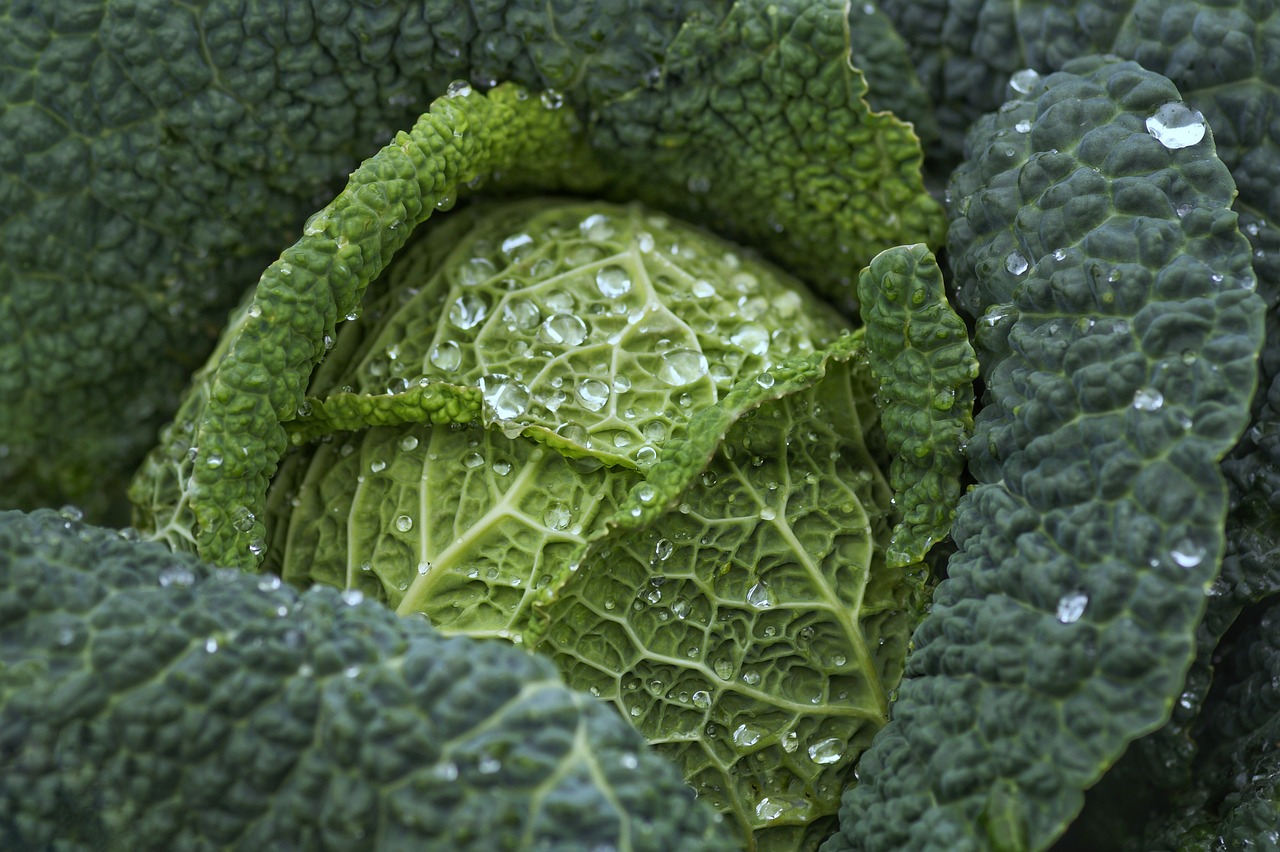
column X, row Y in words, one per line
column 619, row 440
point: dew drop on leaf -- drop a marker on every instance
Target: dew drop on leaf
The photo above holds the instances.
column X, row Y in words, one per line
column 1176, row 125
column 682, row 366
column 1071, row 607
column 1148, row 399
column 827, row 750
column 507, row 397
column 1187, row 553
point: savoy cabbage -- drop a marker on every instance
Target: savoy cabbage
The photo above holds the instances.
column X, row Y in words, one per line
column 628, row 362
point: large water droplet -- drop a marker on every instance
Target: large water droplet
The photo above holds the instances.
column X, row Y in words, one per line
column 613, row 281
column 702, row 699
column 1187, row 553
column 1176, row 125
column 1071, row 607
column 597, row 227
column 827, row 751
column 1147, row 399
column 446, row 355
column 760, row 595
column 458, row 89
column 352, row 597
column 557, row 516
column 563, row 330
column 521, row 314
column 682, row 366
column 404, row 523
column 592, row 393
column 752, row 338
column 1025, row 82
column 745, row 735
column 1015, row 263
column 723, row 668
column 507, row 397
column 468, row 311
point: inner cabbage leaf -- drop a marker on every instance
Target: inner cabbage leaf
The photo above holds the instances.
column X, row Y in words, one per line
column 607, row 435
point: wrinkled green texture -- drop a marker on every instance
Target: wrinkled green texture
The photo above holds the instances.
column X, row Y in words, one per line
column 150, row 702
column 1117, row 339
column 668, row 490
column 188, row 142
column 920, row 354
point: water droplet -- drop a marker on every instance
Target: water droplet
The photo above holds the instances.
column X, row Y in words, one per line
column 563, row 330
column 760, row 595
column 214, row 460
column 377, row 466
column 1176, row 125
column 827, row 751
column 767, row 513
column 646, row 456
column 592, row 393
column 597, row 227
column 765, row 380
column 514, row 245
column 682, row 366
column 1187, row 553
column 409, row 443
column 521, row 314
column 458, row 89
column 751, row 678
column 613, row 281
column 423, row 568
column 1147, row 399
column 404, row 523
column 177, row 575
column 662, row 550
column 1071, row 607
column 703, row 289
column 352, row 597
column 751, row 338
column 557, row 516
column 1023, row 126
column 745, row 736
column 468, row 311
column 1025, row 82
column 646, row 493
column 552, row 99
column 507, row 397
column 1015, row 263
column 723, row 669
column 701, row 699
column 1183, row 209
column 471, row 461
column 210, row 645
column 242, row 519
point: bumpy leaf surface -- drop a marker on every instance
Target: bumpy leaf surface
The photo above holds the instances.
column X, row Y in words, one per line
column 1118, row 329
column 1224, row 59
column 154, row 156
column 920, row 354
column 667, row 488
column 150, row 702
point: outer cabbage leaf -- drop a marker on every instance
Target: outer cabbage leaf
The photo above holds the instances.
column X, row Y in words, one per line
column 150, row 702
column 1233, row 801
column 1223, row 57
column 1118, row 331
column 806, row 139
column 153, row 157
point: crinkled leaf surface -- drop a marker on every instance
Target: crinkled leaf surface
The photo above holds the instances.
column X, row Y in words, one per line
column 1117, row 333
column 667, row 488
column 150, row 702
column 919, row 352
